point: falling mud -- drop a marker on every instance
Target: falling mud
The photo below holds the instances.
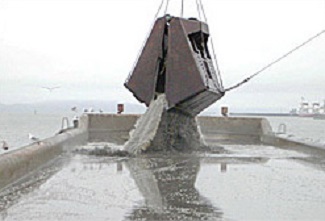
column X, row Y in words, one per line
column 162, row 129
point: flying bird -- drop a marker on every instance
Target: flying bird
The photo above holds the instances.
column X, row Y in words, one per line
column 50, row 88
column 34, row 139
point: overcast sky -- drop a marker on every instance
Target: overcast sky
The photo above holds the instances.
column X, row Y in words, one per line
column 88, row 48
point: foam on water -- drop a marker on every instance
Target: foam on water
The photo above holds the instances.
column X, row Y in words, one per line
column 101, row 149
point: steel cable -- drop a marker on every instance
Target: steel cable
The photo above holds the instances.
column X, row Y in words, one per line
column 213, row 49
column 145, row 40
column 276, row 61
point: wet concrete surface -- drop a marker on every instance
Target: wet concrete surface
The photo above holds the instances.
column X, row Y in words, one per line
column 249, row 182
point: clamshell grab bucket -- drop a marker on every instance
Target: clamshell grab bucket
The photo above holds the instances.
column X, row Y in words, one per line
column 176, row 61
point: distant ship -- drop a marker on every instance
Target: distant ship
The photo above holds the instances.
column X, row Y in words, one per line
column 306, row 109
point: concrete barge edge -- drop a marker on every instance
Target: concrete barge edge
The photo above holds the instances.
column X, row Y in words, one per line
column 19, row 163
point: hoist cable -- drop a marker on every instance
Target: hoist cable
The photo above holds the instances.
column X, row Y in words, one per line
column 202, row 9
column 213, row 49
column 198, row 9
column 217, row 66
column 145, row 40
column 161, row 4
column 276, row 61
column 166, row 7
column 182, row 9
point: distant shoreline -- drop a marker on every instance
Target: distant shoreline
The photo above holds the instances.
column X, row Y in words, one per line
column 264, row 114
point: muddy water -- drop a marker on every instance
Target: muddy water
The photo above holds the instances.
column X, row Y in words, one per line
column 245, row 183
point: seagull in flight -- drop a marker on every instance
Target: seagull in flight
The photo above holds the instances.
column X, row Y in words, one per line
column 50, row 88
